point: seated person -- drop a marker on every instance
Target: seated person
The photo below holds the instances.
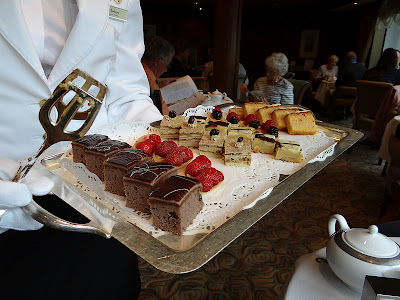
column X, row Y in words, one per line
column 208, row 70
column 351, row 71
column 274, row 88
column 387, row 69
column 330, row 69
column 155, row 61
column 177, row 67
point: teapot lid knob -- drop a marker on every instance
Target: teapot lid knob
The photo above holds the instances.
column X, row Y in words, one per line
column 373, row 229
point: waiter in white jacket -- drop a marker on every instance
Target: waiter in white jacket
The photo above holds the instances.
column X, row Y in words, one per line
column 41, row 42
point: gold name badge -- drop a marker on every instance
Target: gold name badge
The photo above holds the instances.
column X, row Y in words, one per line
column 119, row 14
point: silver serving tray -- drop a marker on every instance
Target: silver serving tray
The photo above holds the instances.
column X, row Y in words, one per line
column 203, row 246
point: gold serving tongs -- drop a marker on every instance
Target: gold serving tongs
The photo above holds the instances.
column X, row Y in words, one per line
column 57, row 132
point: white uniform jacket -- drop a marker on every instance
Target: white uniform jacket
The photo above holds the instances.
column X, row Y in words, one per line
column 107, row 49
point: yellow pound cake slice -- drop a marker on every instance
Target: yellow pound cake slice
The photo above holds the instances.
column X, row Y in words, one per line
column 264, row 113
column 238, row 110
column 252, row 107
column 301, row 123
column 278, row 116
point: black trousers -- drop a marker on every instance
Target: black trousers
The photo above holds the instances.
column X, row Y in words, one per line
column 53, row 264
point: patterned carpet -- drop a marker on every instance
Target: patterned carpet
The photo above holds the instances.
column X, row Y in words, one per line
column 258, row 263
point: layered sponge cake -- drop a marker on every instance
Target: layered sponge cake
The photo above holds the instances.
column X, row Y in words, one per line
column 245, row 132
column 237, row 152
column 220, row 125
column 264, row 143
column 191, row 132
column 175, row 203
column 301, row 123
column 170, row 125
column 288, row 151
column 212, row 143
column 140, row 181
column 116, row 166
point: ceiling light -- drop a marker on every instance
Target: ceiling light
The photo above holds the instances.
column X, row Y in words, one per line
column 355, row 3
column 200, row 8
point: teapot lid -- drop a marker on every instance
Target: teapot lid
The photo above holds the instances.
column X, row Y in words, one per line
column 216, row 92
column 370, row 242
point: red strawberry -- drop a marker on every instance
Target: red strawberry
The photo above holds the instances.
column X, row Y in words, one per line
column 174, row 157
column 267, row 125
column 165, row 147
column 249, row 118
column 146, row 146
column 204, row 160
column 204, row 176
column 194, row 168
column 217, row 108
column 187, row 154
column 155, row 138
column 232, row 114
column 207, row 185
column 215, row 174
column 219, row 177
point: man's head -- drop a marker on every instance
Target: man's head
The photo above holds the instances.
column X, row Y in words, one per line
column 158, row 55
column 350, row 57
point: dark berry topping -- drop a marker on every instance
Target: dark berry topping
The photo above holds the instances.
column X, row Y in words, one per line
column 240, row 139
column 273, row 131
column 214, row 132
column 216, row 114
column 172, row 114
column 254, row 124
column 191, row 120
column 234, row 120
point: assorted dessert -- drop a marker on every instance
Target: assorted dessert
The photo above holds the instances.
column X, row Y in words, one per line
column 147, row 175
column 159, row 176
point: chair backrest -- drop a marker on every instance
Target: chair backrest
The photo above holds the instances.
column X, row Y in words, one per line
column 300, row 87
column 289, row 75
column 370, row 96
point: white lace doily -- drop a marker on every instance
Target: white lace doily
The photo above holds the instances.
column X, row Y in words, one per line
column 241, row 189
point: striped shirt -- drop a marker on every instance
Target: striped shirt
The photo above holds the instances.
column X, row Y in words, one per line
column 280, row 93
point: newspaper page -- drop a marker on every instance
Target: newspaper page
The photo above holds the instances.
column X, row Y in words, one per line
column 181, row 106
column 182, row 94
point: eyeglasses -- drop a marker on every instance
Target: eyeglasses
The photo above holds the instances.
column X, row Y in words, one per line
column 167, row 66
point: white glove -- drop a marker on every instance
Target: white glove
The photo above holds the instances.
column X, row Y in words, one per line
column 13, row 196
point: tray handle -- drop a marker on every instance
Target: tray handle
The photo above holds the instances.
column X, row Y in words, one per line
column 48, row 219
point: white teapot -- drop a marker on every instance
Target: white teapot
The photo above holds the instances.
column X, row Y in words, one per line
column 354, row 253
column 217, row 95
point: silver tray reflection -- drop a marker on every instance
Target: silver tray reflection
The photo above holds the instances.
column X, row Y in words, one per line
column 203, row 247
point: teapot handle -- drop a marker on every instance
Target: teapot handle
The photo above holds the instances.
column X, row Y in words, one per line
column 332, row 223
column 225, row 95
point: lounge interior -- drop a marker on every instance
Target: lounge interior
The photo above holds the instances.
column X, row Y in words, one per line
column 258, row 264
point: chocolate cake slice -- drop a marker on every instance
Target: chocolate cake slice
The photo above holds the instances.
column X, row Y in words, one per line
column 97, row 154
column 140, row 181
column 175, row 203
column 116, row 166
column 79, row 146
